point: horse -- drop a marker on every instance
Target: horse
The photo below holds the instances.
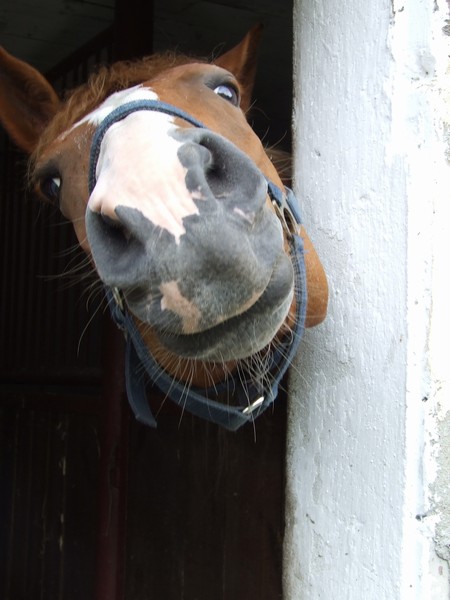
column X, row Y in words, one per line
column 206, row 264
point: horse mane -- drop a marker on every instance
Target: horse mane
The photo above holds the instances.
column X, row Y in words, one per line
column 105, row 81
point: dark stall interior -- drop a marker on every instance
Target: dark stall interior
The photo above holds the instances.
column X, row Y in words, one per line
column 94, row 505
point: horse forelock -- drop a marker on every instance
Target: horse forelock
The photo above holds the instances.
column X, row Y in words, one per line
column 100, row 85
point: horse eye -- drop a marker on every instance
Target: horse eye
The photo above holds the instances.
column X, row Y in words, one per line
column 228, row 92
column 51, row 188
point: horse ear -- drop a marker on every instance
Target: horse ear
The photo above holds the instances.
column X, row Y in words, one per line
column 242, row 62
column 27, row 101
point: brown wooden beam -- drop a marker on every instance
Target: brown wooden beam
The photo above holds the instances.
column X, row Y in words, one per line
column 112, row 484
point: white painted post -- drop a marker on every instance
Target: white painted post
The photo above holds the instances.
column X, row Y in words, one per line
column 368, row 464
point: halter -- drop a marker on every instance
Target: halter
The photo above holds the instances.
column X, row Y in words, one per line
column 253, row 397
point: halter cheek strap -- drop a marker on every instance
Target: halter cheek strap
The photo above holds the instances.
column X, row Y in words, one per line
column 252, row 396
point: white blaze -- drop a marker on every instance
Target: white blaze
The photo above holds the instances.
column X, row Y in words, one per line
column 117, row 99
column 138, row 167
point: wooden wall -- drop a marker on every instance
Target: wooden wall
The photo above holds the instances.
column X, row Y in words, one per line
column 96, row 505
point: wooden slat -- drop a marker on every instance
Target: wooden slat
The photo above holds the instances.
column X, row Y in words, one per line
column 205, row 510
column 48, row 477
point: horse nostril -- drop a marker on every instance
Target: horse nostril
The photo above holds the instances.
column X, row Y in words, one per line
column 115, row 225
column 110, row 221
column 214, row 162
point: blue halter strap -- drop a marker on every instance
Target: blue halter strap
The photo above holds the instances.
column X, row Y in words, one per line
column 251, row 397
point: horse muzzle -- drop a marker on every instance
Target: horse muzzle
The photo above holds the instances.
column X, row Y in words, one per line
column 179, row 220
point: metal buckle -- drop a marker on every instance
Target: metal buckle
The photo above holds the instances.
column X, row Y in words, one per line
column 283, row 210
column 286, row 216
column 116, row 294
column 253, row 406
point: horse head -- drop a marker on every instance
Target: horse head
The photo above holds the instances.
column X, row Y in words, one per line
column 177, row 203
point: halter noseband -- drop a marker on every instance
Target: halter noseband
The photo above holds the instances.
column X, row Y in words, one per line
column 253, row 396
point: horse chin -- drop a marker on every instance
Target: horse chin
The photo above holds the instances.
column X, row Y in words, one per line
column 237, row 337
